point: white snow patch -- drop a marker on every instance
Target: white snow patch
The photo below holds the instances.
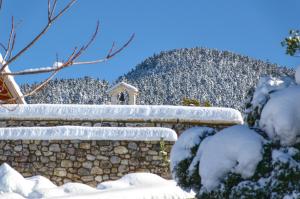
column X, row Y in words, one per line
column 187, row 140
column 294, row 195
column 235, row 149
column 134, row 113
column 12, row 181
column 64, row 190
column 281, row 115
column 133, row 179
column 138, row 186
column 280, row 156
column 267, row 85
column 10, row 196
column 88, row 133
column 57, row 64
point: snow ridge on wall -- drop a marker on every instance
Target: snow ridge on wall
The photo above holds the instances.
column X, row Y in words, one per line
column 88, row 133
column 128, row 113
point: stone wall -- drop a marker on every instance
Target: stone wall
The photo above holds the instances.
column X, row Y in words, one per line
column 89, row 162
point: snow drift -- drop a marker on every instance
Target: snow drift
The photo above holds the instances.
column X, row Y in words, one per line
column 135, row 186
column 235, row 149
column 134, row 113
column 281, row 115
column 188, row 139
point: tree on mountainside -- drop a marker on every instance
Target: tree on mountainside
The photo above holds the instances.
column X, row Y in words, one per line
column 7, row 49
column 292, row 43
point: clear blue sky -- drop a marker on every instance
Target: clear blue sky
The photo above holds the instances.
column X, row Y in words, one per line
column 248, row 27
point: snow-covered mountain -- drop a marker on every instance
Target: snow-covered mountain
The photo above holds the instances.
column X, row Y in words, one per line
column 220, row 77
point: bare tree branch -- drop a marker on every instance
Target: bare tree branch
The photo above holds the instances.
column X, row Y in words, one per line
column 71, row 59
column 44, row 30
column 10, row 39
column 113, row 53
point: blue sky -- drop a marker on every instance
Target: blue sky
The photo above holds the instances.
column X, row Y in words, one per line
column 249, row 27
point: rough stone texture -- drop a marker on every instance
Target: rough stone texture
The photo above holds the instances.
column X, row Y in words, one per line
column 178, row 127
column 87, row 162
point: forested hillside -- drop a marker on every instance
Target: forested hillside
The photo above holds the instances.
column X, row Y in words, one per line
column 220, row 77
column 70, row 91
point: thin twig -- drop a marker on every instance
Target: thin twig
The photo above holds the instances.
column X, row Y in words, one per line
column 120, row 49
column 3, row 46
column 71, row 60
column 10, row 39
column 44, row 30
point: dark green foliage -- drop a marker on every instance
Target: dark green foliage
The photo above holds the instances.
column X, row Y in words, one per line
column 264, row 167
column 190, row 180
column 207, row 104
column 190, row 102
column 292, row 43
column 184, row 179
column 273, row 179
column 195, row 102
column 252, row 113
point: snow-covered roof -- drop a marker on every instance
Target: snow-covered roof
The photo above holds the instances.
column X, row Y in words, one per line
column 123, row 84
column 88, row 133
column 122, row 113
column 11, row 84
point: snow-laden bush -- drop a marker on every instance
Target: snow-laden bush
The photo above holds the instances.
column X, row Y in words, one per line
column 280, row 118
column 182, row 154
column 275, row 176
column 238, row 162
column 257, row 98
column 235, row 149
column 201, row 160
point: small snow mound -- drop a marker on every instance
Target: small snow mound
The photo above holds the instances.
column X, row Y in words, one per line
column 113, row 185
column 133, row 179
column 297, row 75
column 12, row 181
column 267, row 85
column 187, row 140
column 281, row 115
column 10, row 196
column 64, row 190
column 235, row 149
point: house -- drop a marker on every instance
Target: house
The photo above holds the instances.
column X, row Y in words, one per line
column 9, row 89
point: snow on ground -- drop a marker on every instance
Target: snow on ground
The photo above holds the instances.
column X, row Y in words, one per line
column 157, row 113
column 133, row 179
column 187, row 140
column 235, row 149
column 88, row 133
column 134, row 186
column 281, row 115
